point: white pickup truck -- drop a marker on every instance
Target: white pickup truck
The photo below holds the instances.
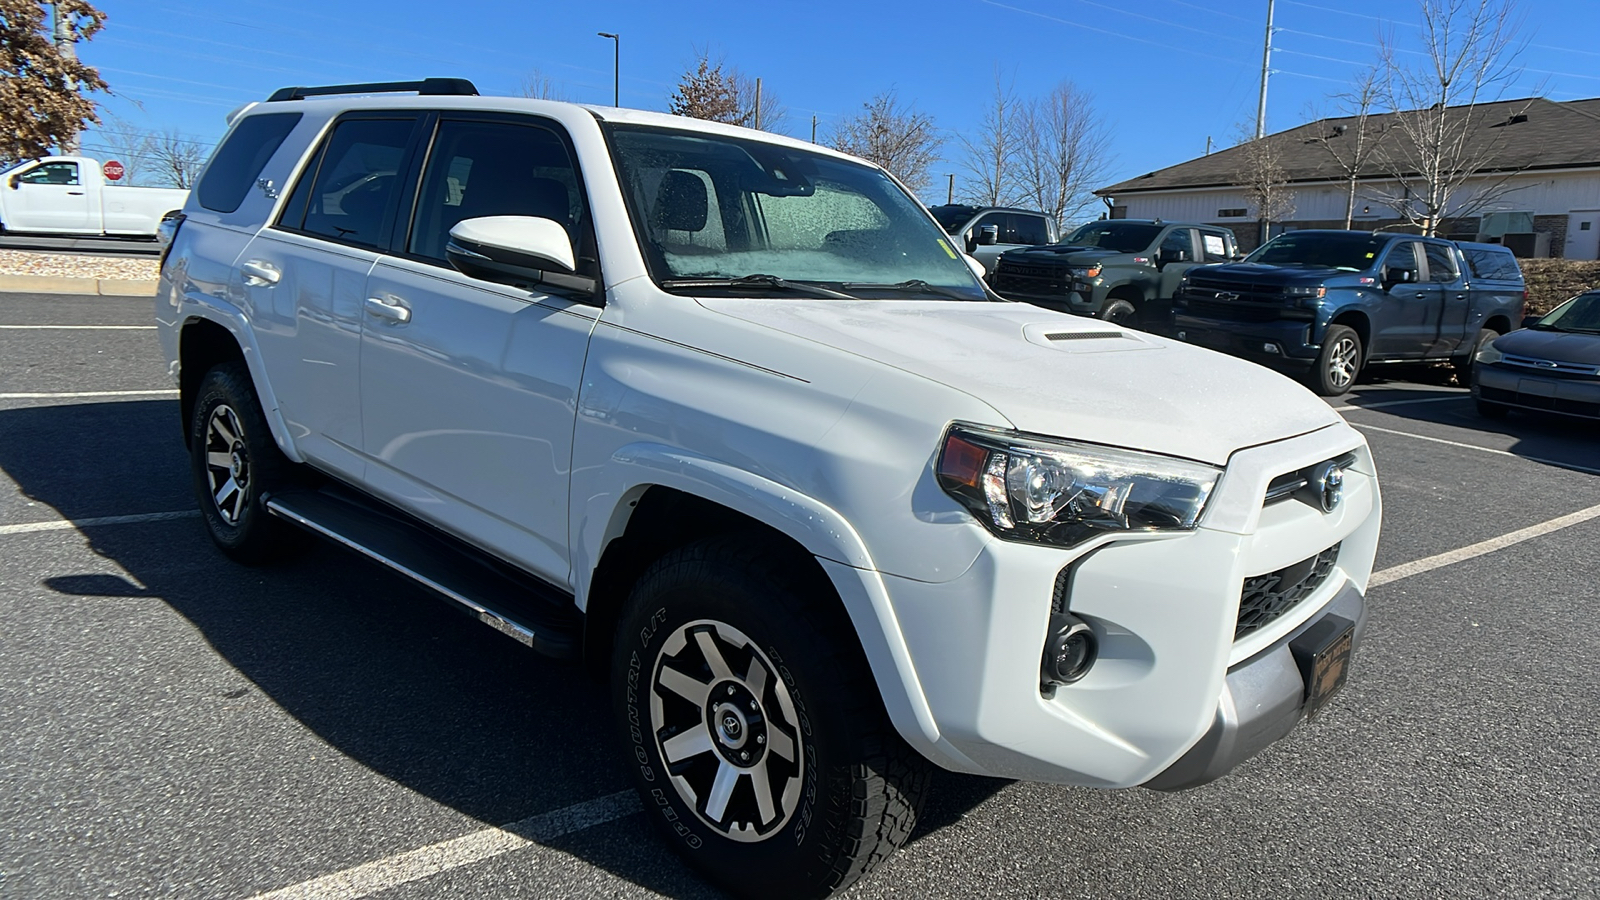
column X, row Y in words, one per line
column 70, row 195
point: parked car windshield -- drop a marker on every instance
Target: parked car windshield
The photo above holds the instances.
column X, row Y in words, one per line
column 713, row 207
column 1348, row 252
column 1123, row 237
column 1580, row 314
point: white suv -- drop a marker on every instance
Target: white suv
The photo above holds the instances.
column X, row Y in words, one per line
column 726, row 415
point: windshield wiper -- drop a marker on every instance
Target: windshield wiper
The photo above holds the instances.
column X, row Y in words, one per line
column 759, row 280
column 914, row 284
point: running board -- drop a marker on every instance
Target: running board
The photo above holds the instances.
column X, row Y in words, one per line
column 509, row 601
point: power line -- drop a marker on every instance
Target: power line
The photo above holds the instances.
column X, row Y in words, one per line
column 1116, row 34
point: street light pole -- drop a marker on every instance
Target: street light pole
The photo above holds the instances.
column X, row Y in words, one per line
column 616, row 66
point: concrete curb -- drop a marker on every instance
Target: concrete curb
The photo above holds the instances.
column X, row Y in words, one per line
column 51, row 284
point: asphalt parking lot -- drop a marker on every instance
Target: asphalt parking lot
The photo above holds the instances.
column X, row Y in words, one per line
column 173, row 725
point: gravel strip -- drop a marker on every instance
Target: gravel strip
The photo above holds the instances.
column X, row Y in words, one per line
column 68, row 265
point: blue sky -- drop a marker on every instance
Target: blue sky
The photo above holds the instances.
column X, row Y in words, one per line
column 1165, row 73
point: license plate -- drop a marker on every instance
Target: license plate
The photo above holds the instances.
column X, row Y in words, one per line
column 1323, row 654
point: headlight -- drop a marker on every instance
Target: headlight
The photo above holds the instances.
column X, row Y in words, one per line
column 1059, row 492
column 1091, row 272
column 1488, row 355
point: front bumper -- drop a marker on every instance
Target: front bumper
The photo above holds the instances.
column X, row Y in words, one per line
column 1171, row 675
column 1527, row 389
column 1284, row 342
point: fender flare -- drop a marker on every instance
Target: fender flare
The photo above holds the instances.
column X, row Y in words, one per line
column 822, row 531
column 232, row 319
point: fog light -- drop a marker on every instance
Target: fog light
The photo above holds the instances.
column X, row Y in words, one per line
column 1069, row 650
column 1270, row 348
column 1183, row 335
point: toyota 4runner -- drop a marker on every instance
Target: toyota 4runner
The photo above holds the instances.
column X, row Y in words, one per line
column 727, row 416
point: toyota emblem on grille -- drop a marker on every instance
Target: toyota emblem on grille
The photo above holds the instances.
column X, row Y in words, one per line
column 1227, row 295
column 1327, row 480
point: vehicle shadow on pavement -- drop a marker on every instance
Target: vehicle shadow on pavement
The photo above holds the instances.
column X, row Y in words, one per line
column 376, row 668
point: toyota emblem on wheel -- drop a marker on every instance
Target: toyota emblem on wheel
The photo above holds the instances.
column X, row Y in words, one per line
column 1327, row 480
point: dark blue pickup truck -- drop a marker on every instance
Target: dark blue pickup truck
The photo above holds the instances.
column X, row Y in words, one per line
column 1330, row 302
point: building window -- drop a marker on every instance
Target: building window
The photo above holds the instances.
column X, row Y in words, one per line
column 1235, row 213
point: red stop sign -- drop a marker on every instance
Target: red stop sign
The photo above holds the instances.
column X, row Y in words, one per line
column 113, row 170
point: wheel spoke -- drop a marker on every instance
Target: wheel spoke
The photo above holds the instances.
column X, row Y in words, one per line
column 721, row 790
column 219, row 459
column 693, row 742
column 755, row 677
column 224, row 429
column 719, row 666
column 684, row 686
column 763, row 789
column 228, row 491
column 780, row 743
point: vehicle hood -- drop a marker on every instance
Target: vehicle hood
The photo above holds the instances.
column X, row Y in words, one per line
column 1257, row 273
column 1059, row 254
column 1054, row 374
column 1558, row 346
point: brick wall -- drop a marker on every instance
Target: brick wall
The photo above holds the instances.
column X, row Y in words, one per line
column 1556, row 227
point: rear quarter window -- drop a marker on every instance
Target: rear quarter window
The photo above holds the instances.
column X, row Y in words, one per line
column 240, row 159
column 1492, row 265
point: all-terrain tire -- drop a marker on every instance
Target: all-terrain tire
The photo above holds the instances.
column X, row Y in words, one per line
column 235, row 463
column 736, row 674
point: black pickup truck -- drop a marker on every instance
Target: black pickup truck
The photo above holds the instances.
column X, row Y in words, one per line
column 1331, row 302
column 1123, row 270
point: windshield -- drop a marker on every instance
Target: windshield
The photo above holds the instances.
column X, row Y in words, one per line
column 1581, row 314
column 710, row 207
column 1123, row 237
column 951, row 218
column 1348, row 252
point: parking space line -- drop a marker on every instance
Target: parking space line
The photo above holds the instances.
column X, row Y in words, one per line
column 1422, row 437
column 413, row 865
column 1471, row 551
column 1346, row 408
column 78, row 327
column 68, row 524
column 74, row 395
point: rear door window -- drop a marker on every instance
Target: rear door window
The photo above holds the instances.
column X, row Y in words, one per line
column 1214, row 246
column 348, row 195
column 238, row 162
column 1441, row 263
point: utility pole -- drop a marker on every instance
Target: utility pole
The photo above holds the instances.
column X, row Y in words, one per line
column 950, row 193
column 616, row 66
column 758, row 104
column 1208, row 145
column 64, row 41
column 1266, row 70
column 813, row 128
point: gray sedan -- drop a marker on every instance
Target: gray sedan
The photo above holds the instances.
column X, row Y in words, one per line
column 1551, row 365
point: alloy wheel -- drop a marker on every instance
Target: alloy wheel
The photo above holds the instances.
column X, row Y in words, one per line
column 1342, row 363
column 227, row 463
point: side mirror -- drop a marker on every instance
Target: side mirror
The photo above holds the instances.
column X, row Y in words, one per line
column 989, row 235
column 521, row 251
column 1399, row 276
column 15, row 181
column 1165, row 256
column 975, row 265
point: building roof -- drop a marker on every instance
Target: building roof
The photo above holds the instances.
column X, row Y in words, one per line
column 1530, row 133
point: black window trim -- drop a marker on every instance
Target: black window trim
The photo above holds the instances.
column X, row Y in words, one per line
column 404, row 185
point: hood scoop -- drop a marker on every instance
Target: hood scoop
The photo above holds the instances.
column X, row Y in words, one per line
column 1090, row 337
column 1082, row 335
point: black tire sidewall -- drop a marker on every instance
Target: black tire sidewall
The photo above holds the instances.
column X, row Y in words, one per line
column 799, row 858
column 1116, row 305
column 1319, row 374
column 257, row 535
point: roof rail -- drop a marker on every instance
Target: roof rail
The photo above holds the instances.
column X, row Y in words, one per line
column 427, row 87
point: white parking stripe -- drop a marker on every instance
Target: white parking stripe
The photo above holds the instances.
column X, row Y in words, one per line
column 414, row 865
column 67, row 524
column 1423, row 437
column 73, row 395
column 1429, row 563
column 78, row 327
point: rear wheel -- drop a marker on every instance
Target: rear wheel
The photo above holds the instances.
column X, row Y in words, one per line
column 1465, row 363
column 1338, row 363
column 235, row 463
column 1120, row 312
column 761, row 746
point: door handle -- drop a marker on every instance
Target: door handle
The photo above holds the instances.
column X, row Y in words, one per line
column 1421, row 295
column 260, row 273
column 393, row 310
column 74, row 193
column 1461, row 296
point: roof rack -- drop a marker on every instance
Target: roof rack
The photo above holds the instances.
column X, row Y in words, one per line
column 427, row 87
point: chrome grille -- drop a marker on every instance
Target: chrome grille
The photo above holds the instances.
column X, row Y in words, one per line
column 1267, row 597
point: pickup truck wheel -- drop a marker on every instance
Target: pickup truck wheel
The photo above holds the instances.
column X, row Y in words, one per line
column 1120, row 312
column 761, row 746
column 235, row 463
column 1339, row 362
column 1465, row 363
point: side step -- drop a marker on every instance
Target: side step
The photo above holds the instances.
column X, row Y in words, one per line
column 507, row 600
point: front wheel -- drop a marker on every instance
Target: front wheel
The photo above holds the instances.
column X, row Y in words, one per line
column 1338, row 363
column 759, row 743
column 1120, row 312
column 1464, row 364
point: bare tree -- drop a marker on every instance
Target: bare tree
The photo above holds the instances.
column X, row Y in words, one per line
column 540, row 86
column 1265, row 182
column 894, row 136
column 1354, row 140
column 773, row 113
column 43, row 92
column 1446, row 159
column 127, row 144
column 991, row 154
column 177, row 160
column 1063, row 152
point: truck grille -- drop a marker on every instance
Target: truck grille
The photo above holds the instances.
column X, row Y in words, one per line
column 1232, row 311
column 1267, row 597
column 1025, row 279
column 1204, row 287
